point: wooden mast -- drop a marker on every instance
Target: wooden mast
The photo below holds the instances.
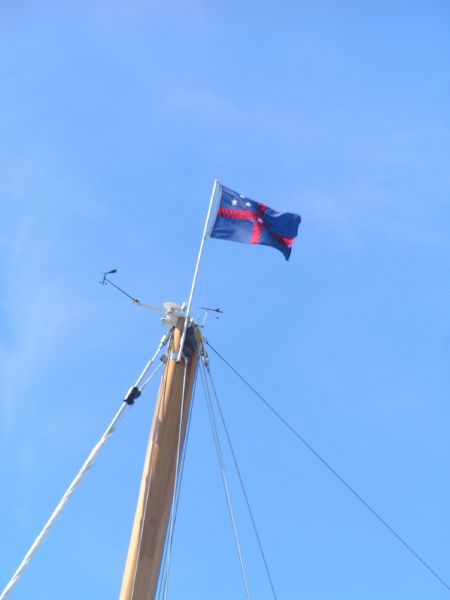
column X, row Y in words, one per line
column 149, row 531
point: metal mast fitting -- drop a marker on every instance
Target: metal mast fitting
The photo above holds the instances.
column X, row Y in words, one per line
column 167, row 438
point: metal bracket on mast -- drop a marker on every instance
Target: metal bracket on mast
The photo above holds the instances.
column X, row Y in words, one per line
column 203, row 353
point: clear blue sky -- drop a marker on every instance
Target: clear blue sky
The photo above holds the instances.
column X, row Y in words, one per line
column 114, row 120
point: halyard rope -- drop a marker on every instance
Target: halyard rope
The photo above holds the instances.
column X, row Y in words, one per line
column 241, row 481
column 224, row 477
column 78, row 478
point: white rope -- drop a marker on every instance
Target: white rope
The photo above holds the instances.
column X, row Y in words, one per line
column 147, row 381
column 225, row 479
column 60, row 507
column 165, row 338
column 72, row 488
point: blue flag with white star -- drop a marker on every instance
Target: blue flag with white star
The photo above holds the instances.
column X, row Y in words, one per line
column 243, row 220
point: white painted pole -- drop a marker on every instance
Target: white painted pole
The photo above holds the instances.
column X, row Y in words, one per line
column 197, row 266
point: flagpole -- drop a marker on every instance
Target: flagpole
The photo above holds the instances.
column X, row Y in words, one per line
column 197, row 266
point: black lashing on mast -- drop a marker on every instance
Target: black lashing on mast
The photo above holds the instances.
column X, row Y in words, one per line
column 132, row 394
column 190, row 343
column 190, row 346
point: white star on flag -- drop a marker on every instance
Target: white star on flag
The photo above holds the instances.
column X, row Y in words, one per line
column 248, row 204
column 260, row 220
column 234, row 202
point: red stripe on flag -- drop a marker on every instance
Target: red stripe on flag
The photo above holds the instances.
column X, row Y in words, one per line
column 257, row 232
column 233, row 213
column 289, row 242
column 248, row 215
column 260, row 225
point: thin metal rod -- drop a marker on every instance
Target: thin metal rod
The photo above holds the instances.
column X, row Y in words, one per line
column 197, row 266
column 120, row 289
column 134, row 300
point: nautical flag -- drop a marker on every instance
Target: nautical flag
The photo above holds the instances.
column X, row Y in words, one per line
column 243, row 220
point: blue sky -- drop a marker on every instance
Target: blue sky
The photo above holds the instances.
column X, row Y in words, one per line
column 114, row 121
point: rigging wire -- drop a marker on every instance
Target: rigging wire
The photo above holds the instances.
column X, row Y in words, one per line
column 224, row 476
column 333, row 471
column 178, row 490
column 163, row 387
column 176, row 482
column 244, row 492
column 68, row 494
column 105, row 280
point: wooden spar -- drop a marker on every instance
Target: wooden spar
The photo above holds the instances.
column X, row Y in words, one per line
column 149, row 531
